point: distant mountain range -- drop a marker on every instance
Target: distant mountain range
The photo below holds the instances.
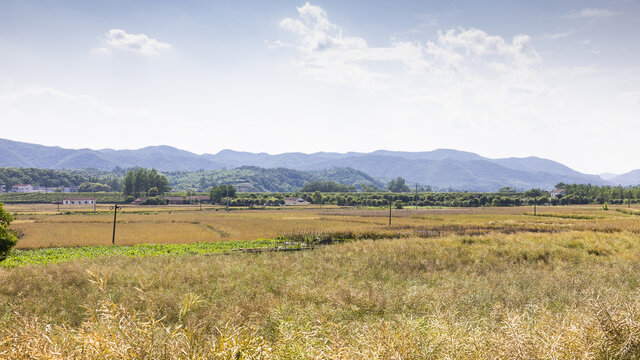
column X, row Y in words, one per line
column 442, row 168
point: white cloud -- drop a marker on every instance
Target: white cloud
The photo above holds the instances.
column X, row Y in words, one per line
column 328, row 55
column 463, row 78
column 591, row 13
column 139, row 43
column 317, row 33
column 557, row 36
column 463, row 46
column 277, row 44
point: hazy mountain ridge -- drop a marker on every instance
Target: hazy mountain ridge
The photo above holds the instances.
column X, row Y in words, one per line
column 441, row 168
column 626, row 179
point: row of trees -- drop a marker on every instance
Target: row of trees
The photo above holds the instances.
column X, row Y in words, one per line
column 55, row 178
column 581, row 194
column 219, row 196
column 397, row 185
column 142, row 182
column 446, row 199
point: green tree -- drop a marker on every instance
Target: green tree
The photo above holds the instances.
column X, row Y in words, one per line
column 368, row 188
column 398, row 204
column 398, row 185
column 219, row 192
column 128, row 184
column 139, row 181
column 535, row 194
column 317, row 197
column 8, row 238
column 93, row 187
column 507, row 190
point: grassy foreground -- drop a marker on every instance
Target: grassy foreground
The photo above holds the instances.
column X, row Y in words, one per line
column 562, row 295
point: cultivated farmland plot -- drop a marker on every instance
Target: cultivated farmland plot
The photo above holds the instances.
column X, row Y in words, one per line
column 441, row 282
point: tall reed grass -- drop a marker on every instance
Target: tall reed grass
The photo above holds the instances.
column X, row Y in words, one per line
column 562, row 295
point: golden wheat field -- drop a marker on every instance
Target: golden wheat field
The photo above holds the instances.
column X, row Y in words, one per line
column 486, row 283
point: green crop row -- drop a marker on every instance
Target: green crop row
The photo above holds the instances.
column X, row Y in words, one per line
column 26, row 198
column 59, row 255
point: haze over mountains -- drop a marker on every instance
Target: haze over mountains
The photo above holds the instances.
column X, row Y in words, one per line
column 442, row 168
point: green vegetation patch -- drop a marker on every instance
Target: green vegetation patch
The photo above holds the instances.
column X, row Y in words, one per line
column 629, row 212
column 27, row 198
column 60, row 255
column 567, row 216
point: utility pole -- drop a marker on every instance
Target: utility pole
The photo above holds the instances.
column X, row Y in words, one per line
column 416, row 197
column 115, row 209
column 227, row 197
column 390, row 210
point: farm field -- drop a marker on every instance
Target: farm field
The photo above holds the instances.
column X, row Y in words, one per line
column 42, row 226
column 437, row 283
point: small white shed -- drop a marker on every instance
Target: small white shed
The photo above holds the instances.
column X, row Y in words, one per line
column 78, row 201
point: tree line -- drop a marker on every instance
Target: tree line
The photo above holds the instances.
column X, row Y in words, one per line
column 109, row 181
column 592, row 194
column 444, row 199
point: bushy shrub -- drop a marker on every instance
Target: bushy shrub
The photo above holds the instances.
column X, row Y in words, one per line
column 151, row 201
column 8, row 238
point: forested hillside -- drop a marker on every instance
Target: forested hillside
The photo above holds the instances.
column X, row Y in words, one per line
column 248, row 178
column 255, row 179
column 53, row 178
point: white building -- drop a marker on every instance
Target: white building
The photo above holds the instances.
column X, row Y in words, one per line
column 295, row 201
column 2, row 188
column 558, row 192
column 78, row 201
column 22, row 188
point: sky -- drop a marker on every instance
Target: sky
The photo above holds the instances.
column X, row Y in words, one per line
column 553, row 79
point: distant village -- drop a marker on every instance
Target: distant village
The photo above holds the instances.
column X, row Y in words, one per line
column 26, row 188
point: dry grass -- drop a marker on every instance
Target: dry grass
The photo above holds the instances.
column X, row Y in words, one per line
column 499, row 285
column 528, row 295
column 185, row 224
